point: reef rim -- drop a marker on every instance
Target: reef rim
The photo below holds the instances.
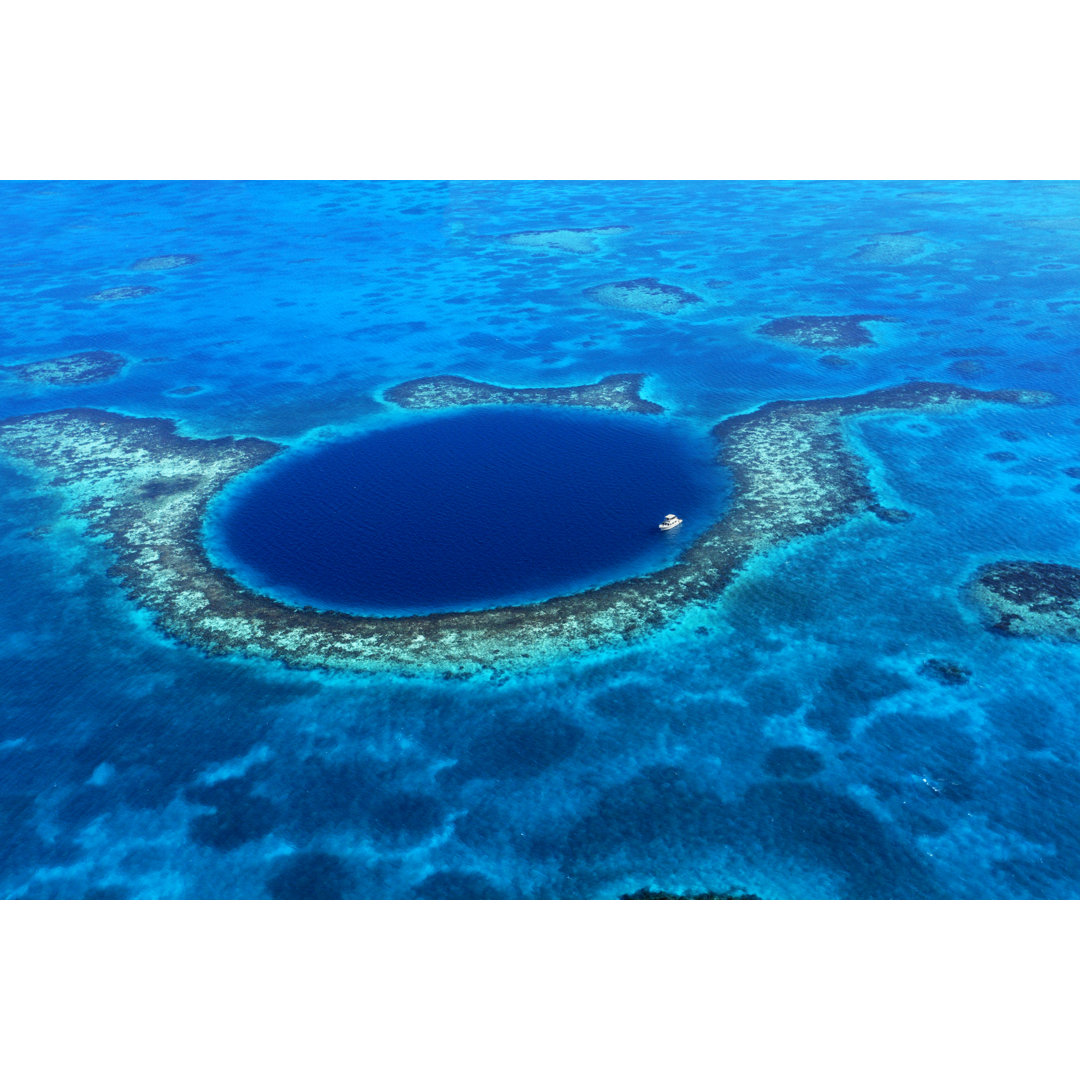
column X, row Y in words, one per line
column 146, row 488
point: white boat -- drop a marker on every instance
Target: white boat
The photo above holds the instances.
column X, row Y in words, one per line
column 670, row 522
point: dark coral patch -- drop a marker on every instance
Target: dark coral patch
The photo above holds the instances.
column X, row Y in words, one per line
column 831, row 360
column 1073, row 471
column 823, row 331
column 945, row 671
column 122, row 292
column 311, row 875
column 165, row 262
column 642, row 294
column 793, row 762
column 84, row 367
column 891, row 515
column 1002, row 455
column 1012, row 436
column 1030, row 598
column 895, row 247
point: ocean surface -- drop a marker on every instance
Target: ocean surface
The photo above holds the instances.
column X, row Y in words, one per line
column 785, row 740
column 482, row 507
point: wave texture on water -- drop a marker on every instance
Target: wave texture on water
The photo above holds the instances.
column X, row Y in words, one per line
column 815, row 697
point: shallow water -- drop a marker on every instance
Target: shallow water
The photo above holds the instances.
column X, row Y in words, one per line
column 784, row 740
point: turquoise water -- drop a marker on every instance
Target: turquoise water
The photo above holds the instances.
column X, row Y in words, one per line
column 783, row 740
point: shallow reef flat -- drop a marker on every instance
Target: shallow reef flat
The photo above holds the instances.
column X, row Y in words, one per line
column 1051, row 224
column 580, row 241
column 146, row 488
column 618, row 393
column 823, row 331
column 891, row 248
column 1032, row 599
column 73, row 370
column 122, row 292
column 164, row 262
column 642, row 294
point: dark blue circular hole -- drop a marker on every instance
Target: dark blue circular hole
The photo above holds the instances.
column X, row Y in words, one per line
column 470, row 510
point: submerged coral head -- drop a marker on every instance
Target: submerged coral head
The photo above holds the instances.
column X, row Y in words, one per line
column 84, row 367
column 823, row 331
column 643, row 294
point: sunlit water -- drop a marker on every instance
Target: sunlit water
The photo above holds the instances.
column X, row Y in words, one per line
column 784, row 740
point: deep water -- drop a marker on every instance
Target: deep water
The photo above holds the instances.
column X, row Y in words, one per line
column 787, row 740
column 478, row 508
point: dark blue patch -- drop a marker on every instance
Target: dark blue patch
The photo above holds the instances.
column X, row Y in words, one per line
column 661, row 805
column 405, row 817
column 20, row 843
column 917, row 746
column 793, row 762
column 519, row 748
column 238, row 817
column 322, row 795
column 773, row 696
column 326, row 795
column 311, row 875
column 451, row 885
column 86, row 803
column 1037, row 878
column 808, row 822
column 625, row 700
column 155, row 753
column 473, row 509
column 1039, row 799
column 850, row 691
column 490, row 343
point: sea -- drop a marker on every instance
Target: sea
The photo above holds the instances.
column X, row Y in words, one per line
column 783, row 740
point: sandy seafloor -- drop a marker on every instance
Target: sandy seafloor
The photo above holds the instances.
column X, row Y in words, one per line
column 784, row 741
